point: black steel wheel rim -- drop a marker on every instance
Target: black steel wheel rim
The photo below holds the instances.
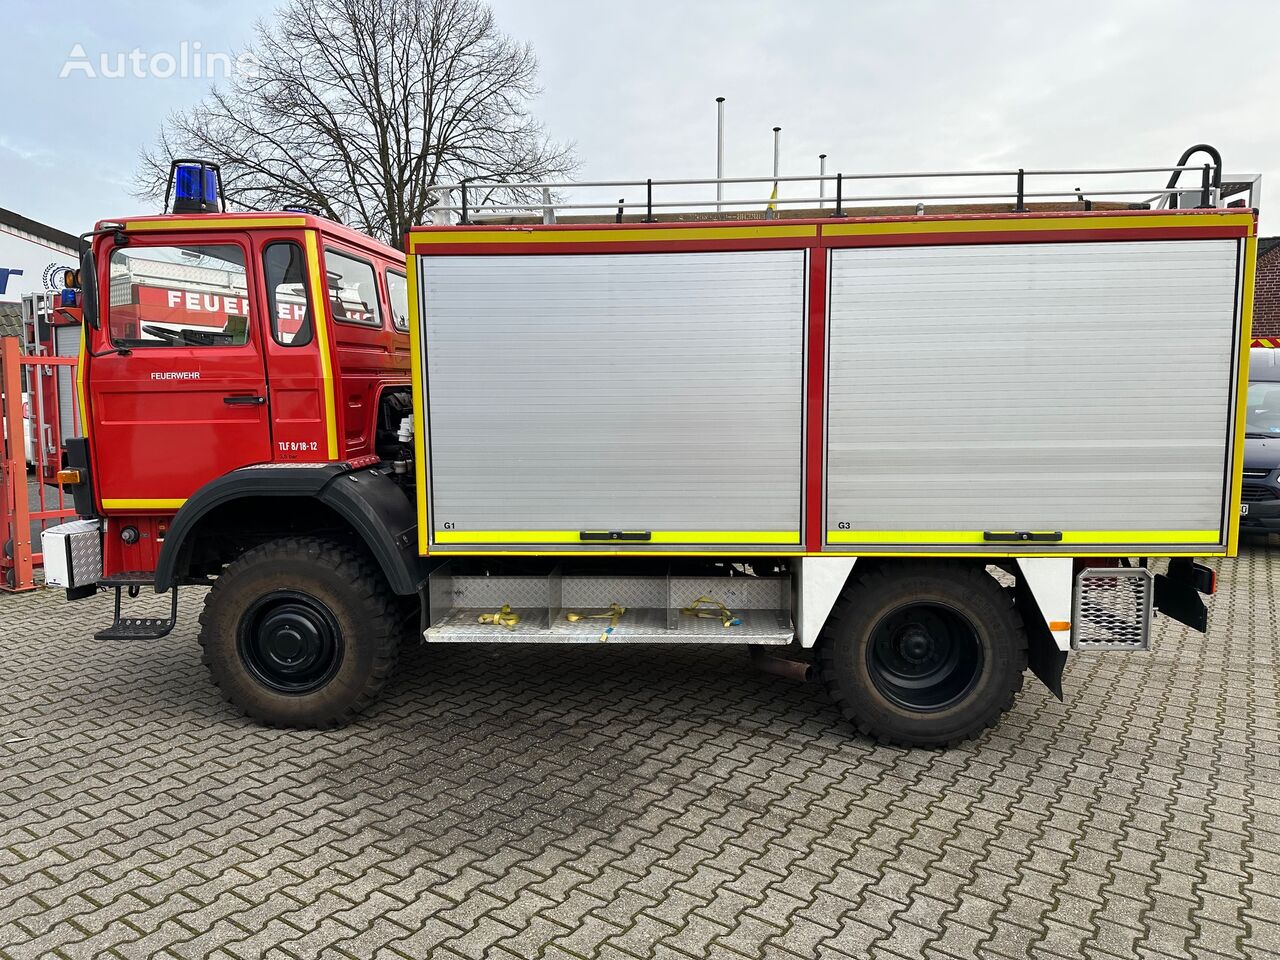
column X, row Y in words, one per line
column 290, row 642
column 924, row 656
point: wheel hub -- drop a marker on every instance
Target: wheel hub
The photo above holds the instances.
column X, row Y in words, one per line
column 924, row 656
column 290, row 642
column 915, row 645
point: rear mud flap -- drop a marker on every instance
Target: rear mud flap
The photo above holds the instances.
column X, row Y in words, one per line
column 1043, row 656
column 1177, row 594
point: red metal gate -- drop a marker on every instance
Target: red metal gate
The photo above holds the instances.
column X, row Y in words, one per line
column 28, row 501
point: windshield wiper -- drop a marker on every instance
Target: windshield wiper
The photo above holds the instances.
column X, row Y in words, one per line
column 1261, row 436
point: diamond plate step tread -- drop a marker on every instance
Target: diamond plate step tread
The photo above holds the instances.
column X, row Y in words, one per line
column 128, row 578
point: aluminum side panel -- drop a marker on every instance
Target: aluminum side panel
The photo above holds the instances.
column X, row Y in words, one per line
column 637, row 392
column 1076, row 387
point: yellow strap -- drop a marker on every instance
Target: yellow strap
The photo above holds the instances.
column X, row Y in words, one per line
column 714, row 611
column 614, row 612
column 613, row 615
column 503, row 618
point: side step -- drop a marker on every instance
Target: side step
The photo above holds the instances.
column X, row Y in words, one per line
column 137, row 628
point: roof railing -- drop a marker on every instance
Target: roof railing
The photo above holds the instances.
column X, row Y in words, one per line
column 546, row 199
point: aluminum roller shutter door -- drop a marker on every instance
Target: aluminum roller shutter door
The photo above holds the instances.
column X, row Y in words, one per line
column 66, row 343
column 1075, row 387
column 636, row 392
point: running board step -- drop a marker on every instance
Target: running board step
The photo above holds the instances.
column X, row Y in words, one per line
column 129, row 578
column 137, row 628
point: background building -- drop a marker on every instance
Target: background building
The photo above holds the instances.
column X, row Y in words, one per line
column 1266, row 290
column 32, row 256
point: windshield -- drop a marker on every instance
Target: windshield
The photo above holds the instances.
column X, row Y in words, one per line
column 193, row 295
column 1263, row 416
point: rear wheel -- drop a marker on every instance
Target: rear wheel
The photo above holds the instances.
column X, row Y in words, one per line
column 300, row 633
column 925, row 654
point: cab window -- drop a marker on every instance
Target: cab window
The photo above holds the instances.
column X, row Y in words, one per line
column 188, row 295
column 353, row 289
column 284, row 270
column 398, row 295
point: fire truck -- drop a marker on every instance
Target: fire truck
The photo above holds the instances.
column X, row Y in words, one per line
column 915, row 446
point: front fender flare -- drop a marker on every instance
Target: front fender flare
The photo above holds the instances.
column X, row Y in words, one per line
column 373, row 504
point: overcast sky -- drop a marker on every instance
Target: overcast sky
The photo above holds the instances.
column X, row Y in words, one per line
column 876, row 85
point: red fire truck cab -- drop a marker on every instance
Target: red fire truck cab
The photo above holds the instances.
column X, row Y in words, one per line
column 255, row 351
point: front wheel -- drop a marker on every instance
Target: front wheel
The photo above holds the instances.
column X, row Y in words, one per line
column 300, row 632
column 926, row 654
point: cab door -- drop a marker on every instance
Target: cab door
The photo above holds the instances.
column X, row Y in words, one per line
column 177, row 387
column 361, row 342
column 295, row 339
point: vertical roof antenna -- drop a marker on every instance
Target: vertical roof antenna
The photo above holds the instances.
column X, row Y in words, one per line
column 719, row 152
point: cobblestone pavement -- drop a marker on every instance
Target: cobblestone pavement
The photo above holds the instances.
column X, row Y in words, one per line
column 546, row 802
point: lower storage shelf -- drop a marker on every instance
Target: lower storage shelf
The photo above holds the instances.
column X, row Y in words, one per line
column 653, row 608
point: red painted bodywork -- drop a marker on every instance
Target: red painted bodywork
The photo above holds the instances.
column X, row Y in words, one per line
column 814, row 441
column 158, row 426
column 143, row 554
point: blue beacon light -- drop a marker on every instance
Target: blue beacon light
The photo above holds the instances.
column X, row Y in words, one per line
column 195, row 188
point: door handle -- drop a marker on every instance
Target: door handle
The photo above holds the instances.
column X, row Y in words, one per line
column 245, row 400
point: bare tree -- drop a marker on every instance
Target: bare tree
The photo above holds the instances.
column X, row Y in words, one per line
column 358, row 107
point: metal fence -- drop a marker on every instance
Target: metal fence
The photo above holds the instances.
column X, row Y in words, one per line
column 38, row 405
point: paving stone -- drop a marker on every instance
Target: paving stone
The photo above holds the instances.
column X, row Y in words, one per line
column 509, row 802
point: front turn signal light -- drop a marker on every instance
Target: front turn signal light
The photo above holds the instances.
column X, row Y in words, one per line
column 68, row 477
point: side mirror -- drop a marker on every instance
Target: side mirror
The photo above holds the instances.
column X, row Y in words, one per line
column 89, row 286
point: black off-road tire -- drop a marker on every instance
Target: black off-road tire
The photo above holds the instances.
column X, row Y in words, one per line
column 347, row 600
column 887, row 594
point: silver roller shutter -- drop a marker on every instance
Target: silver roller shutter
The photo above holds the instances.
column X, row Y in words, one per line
column 615, row 392
column 1074, row 387
column 66, row 343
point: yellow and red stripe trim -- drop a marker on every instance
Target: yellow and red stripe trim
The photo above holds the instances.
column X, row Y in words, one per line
column 1022, row 223
column 656, row 536
column 1069, row 537
column 169, row 504
column 1249, row 270
column 320, row 314
column 213, row 223
column 416, row 364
